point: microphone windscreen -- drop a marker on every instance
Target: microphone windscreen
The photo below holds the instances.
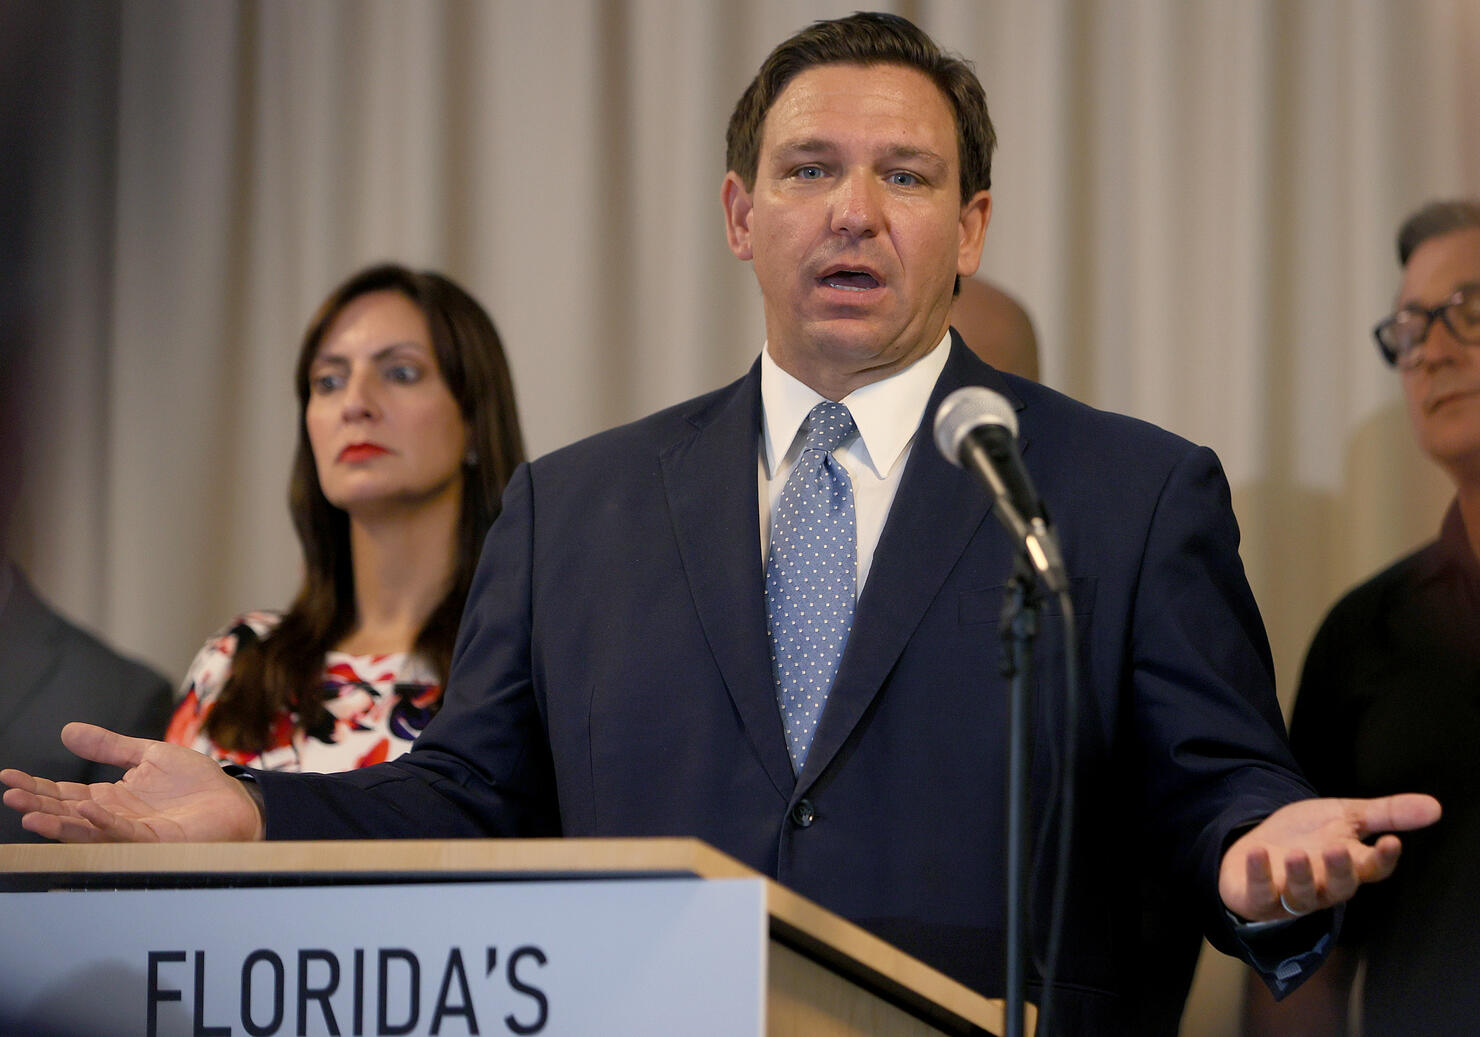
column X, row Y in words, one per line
column 970, row 407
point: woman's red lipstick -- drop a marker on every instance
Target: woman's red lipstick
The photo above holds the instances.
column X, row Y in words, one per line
column 361, row 452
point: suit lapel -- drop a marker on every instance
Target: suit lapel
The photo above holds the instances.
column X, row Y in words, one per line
column 711, row 483
column 936, row 511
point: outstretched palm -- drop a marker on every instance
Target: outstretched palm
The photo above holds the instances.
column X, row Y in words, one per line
column 168, row 794
column 1315, row 853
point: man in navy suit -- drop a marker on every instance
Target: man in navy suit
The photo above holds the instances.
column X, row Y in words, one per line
column 614, row 675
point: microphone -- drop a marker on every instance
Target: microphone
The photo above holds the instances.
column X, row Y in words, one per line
column 976, row 429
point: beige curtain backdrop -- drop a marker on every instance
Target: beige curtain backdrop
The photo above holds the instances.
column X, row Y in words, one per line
column 1195, row 198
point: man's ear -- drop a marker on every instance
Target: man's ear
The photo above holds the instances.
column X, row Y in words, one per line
column 737, row 203
column 975, row 215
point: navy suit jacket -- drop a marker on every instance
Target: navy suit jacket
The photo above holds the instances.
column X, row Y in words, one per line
column 613, row 678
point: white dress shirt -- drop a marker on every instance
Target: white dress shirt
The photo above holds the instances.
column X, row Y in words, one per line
column 887, row 413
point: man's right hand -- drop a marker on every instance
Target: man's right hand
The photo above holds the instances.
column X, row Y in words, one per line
column 169, row 794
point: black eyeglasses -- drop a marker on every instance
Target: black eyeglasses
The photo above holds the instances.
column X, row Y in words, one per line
column 1401, row 336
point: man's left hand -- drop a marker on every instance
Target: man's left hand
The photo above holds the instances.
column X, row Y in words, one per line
column 1313, row 854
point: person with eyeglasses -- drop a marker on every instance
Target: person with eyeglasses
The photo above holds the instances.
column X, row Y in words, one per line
column 1389, row 697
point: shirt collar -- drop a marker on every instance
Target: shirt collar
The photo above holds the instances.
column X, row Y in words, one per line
column 887, row 412
column 1454, row 544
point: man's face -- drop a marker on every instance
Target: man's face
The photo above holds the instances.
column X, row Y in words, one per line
column 1443, row 390
column 855, row 224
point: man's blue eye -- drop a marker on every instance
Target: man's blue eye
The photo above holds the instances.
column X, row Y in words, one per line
column 904, row 179
column 809, row 172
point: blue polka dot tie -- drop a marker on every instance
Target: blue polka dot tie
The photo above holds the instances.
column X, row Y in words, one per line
column 812, row 577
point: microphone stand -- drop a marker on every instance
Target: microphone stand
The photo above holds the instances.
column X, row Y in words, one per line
column 1018, row 628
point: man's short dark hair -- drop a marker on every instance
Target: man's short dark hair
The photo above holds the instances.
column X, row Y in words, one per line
column 1433, row 220
column 866, row 39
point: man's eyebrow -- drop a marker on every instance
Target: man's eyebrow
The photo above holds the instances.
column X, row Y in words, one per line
column 1411, row 303
column 911, row 153
column 804, row 146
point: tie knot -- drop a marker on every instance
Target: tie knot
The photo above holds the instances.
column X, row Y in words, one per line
column 827, row 425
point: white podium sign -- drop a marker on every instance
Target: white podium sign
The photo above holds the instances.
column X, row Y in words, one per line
column 611, row 957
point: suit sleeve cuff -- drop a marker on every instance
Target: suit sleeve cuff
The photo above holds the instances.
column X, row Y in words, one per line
column 253, row 789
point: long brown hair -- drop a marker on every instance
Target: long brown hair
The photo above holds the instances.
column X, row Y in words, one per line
column 283, row 670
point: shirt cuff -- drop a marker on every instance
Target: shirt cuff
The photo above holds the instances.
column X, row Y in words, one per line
column 1287, row 950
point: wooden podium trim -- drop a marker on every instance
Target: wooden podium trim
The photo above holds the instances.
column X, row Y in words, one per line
column 54, row 865
column 809, row 944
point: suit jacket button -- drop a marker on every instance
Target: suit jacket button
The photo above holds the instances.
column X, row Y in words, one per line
column 803, row 814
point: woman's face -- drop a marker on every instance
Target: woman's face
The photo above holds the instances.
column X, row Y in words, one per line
column 386, row 433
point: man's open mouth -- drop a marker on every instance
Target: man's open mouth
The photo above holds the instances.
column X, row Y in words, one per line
column 851, row 280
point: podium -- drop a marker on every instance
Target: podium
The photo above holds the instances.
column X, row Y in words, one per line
column 557, row 936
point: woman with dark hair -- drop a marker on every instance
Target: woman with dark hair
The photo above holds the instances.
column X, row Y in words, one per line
column 407, row 434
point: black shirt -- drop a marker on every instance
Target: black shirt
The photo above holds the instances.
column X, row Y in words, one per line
column 1389, row 702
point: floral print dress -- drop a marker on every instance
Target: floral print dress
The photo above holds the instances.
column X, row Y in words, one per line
column 377, row 705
